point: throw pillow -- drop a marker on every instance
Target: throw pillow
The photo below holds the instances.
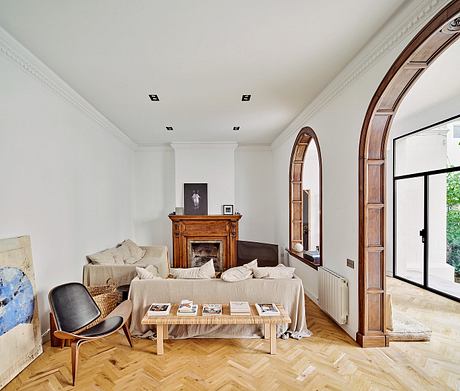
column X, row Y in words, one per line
column 203, row 272
column 105, row 257
column 136, row 253
column 239, row 273
column 276, row 272
column 148, row 273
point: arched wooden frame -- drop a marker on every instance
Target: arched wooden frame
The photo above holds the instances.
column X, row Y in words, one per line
column 296, row 165
column 420, row 53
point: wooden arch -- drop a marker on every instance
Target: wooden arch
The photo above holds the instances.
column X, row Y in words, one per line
column 419, row 54
column 299, row 149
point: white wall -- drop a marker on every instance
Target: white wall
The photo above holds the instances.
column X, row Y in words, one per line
column 337, row 119
column 153, row 196
column 157, row 187
column 255, row 198
column 65, row 181
column 212, row 163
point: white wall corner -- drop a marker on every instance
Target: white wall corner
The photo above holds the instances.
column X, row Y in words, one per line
column 16, row 53
column 405, row 23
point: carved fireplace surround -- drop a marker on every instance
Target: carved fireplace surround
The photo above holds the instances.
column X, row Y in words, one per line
column 217, row 234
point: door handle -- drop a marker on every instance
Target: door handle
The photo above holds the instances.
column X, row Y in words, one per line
column 422, row 233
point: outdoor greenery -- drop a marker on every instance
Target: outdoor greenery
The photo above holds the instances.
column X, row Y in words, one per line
column 453, row 220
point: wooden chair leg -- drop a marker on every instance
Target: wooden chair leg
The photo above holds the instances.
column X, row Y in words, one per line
column 74, row 346
column 128, row 335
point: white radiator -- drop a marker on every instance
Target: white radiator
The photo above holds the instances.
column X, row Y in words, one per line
column 333, row 295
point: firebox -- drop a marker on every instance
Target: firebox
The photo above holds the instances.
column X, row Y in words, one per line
column 202, row 251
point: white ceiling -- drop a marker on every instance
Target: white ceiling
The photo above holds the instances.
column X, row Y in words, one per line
column 199, row 56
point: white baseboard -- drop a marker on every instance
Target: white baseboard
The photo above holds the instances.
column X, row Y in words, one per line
column 311, row 296
column 46, row 336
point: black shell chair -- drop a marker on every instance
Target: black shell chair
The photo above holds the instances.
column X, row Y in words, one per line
column 73, row 308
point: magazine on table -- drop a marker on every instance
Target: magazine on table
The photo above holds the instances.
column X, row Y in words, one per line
column 212, row 309
column 159, row 309
column 187, row 308
column 267, row 309
column 240, row 308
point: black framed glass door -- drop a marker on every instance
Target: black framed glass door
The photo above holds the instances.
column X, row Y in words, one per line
column 426, row 214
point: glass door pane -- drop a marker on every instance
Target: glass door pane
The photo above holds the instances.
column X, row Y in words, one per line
column 444, row 233
column 409, row 221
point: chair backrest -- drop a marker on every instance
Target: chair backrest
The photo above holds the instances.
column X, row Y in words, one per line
column 72, row 306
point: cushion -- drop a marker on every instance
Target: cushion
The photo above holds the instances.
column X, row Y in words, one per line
column 106, row 257
column 135, row 252
column 158, row 257
column 203, row 272
column 276, row 272
column 148, row 273
column 239, row 273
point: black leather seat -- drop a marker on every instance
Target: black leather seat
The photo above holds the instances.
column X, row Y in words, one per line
column 105, row 327
column 73, row 308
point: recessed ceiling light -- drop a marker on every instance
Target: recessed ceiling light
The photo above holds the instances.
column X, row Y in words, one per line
column 246, row 98
column 154, row 97
column 169, row 128
column 236, row 128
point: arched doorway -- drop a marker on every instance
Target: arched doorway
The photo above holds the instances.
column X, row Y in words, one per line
column 296, row 195
column 427, row 45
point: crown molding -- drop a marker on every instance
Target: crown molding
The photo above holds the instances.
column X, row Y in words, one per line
column 16, row 53
column 399, row 28
column 153, row 147
column 254, row 147
column 204, row 145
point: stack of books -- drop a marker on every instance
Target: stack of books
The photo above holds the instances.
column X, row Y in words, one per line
column 159, row 309
column 267, row 309
column 212, row 309
column 240, row 308
column 187, row 308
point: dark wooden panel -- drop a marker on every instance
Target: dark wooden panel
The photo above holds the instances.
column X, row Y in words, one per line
column 397, row 88
column 378, row 128
column 375, row 320
column 375, row 180
column 375, row 275
column 375, row 221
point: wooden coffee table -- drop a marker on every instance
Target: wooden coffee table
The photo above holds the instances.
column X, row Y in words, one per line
column 269, row 322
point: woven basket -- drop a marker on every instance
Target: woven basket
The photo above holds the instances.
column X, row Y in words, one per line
column 106, row 297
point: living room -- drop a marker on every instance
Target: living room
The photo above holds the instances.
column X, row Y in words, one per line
column 112, row 114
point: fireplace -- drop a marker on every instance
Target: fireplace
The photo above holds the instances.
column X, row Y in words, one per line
column 202, row 251
column 196, row 239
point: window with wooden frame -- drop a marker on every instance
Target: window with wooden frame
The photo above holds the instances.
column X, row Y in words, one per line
column 299, row 225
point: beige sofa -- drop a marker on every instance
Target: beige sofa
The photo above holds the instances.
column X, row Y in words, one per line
column 288, row 292
column 122, row 274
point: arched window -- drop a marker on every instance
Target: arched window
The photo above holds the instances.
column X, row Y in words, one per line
column 305, row 198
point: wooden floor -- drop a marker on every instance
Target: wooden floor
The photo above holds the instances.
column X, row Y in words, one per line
column 328, row 360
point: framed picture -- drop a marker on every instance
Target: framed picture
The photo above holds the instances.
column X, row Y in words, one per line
column 227, row 209
column 195, row 198
column 20, row 336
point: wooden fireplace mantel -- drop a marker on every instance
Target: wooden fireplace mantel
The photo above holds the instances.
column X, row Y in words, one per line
column 223, row 228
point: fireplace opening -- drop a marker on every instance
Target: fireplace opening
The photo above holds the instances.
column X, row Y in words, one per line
column 202, row 251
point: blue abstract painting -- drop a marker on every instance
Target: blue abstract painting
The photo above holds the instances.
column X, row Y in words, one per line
column 16, row 299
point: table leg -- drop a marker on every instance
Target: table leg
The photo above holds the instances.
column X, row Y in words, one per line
column 160, row 329
column 165, row 332
column 266, row 331
column 272, row 338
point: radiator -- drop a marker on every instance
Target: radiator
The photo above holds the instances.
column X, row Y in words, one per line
column 333, row 295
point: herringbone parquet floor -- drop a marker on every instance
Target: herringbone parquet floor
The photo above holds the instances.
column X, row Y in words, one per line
column 328, row 360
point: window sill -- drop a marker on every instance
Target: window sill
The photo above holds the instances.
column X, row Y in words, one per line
column 301, row 258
